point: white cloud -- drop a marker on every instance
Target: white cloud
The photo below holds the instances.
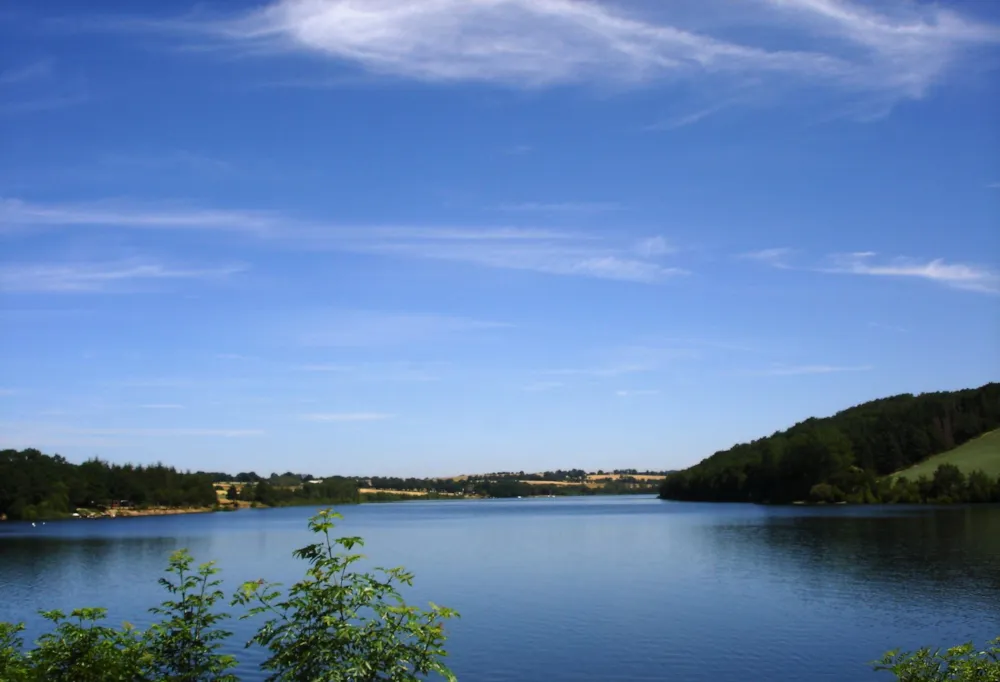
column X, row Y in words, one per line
column 898, row 52
column 956, row 275
column 28, row 72
column 562, row 207
column 630, row 360
column 555, row 252
column 30, row 105
column 889, row 327
column 519, row 150
column 62, row 432
column 221, row 433
column 774, row 257
column 381, row 371
column 325, row 368
column 542, row 386
column 653, row 247
column 363, row 329
column 347, row 417
column 636, row 392
column 795, row 370
column 16, row 213
column 96, row 277
column 162, row 406
column 28, row 88
column 685, row 120
column 181, row 159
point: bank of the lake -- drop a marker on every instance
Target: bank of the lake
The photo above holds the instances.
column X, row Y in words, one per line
column 584, row 589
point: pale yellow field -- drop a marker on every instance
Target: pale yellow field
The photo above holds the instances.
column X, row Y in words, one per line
column 549, row 482
column 369, row 491
column 615, row 477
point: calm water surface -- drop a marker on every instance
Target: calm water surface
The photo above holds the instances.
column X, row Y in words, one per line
column 592, row 590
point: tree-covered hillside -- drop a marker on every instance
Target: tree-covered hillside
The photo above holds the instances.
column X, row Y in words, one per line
column 844, row 457
column 35, row 485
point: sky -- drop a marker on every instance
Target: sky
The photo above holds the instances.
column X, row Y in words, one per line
column 433, row 237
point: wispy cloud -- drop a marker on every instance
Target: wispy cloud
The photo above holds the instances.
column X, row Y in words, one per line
column 15, row 213
column 542, row 386
column 381, row 371
column 970, row 277
column 630, row 360
column 889, row 327
column 27, row 72
column 653, row 247
column 97, row 277
column 162, row 406
column 957, row 275
column 629, row 393
column 5, row 392
column 554, row 252
column 156, row 433
column 994, row 185
column 347, row 417
column 173, row 161
column 364, row 329
column 562, row 207
column 30, row 88
column 518, row 150
column 46, row 433
column 684, row 120
column 777, row 258
column 30, row 105
column 325, row 368
column 796, row 370
column 897, row 53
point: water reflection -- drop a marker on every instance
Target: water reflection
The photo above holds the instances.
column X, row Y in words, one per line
column 591, row 590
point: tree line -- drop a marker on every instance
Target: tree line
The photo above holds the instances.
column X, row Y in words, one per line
column 34, row 485
column 849, row 457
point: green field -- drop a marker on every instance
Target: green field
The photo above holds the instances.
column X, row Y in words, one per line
column 981, row 453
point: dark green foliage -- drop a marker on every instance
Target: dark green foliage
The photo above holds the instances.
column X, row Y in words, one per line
column 79, row 649
column 964, row 663
column 333, row 490
column 512, row 484
column 184, row 647
column 846, row 457
column 339, row 624
column 335, row 624
column 37, row 486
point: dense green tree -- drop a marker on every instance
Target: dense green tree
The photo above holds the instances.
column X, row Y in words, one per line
column 336, row 624
column 34, row 485
column 852, row 452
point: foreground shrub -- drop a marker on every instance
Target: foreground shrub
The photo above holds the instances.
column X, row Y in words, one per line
column 963, row 663
column 337, row 624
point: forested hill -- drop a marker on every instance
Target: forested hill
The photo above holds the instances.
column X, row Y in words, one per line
column 36, row 485
column 844, row 457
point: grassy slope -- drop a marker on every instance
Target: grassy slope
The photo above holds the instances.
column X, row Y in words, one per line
column 979, row 453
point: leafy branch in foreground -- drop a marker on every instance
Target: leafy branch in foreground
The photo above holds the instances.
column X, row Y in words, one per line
column 340, row 624
column 963, row 663
column 337, row 624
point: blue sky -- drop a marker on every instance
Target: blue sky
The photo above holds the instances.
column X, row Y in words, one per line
column 433, row 237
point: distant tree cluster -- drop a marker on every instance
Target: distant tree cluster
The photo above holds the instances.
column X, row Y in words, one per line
column 34, row 485
column 847, row 457
column 513, row 484
column 333, row 490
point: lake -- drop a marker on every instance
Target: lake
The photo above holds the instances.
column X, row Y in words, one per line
column 583, row 589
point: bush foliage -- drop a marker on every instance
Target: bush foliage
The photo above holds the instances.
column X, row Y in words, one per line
column 337, row 624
